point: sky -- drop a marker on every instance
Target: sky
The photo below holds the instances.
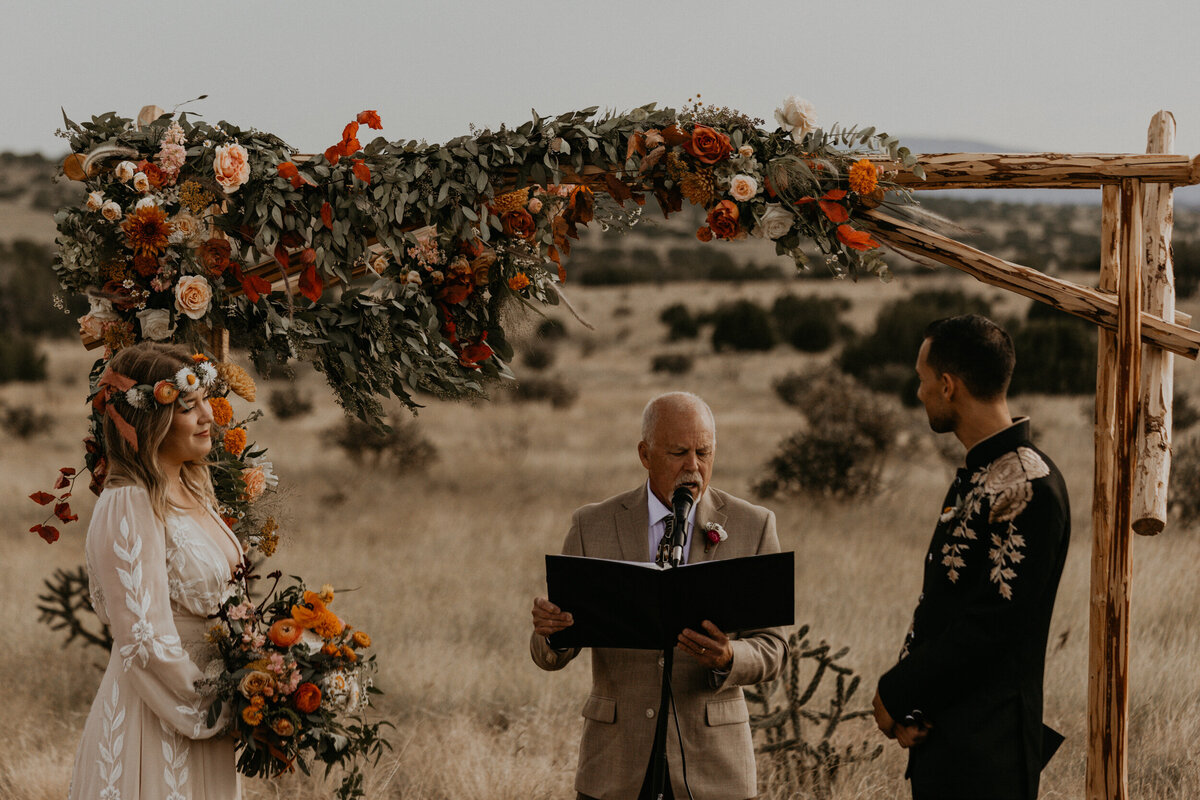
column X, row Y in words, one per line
column 1019, row 75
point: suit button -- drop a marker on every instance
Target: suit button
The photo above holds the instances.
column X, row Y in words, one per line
column 929, row 557
column 649, row 713
column 661, row 663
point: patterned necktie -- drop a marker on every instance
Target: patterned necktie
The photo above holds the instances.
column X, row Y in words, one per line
column 664, row 553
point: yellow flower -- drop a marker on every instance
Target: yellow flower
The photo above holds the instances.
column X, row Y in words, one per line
column 252, row 715
column 864, row 176
column 509, row 201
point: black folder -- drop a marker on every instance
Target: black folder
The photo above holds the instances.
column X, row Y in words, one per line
column 641, row 606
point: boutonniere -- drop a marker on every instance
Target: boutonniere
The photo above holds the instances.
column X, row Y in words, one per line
column 714, row 534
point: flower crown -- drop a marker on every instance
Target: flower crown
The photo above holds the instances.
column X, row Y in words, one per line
column 165, row 392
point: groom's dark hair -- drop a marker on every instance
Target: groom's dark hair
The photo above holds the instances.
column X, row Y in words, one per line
column 976, row 350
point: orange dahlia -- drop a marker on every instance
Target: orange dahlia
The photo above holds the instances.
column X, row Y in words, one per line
column 864, row 176
column 147, row 230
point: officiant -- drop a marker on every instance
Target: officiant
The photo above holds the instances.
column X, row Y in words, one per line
column 710, row 752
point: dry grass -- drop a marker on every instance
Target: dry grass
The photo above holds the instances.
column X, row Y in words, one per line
column 445, row 563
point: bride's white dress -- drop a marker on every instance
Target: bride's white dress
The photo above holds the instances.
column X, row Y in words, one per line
column 154, row 585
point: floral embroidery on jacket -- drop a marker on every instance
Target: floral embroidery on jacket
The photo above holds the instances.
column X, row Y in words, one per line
column 137, row 599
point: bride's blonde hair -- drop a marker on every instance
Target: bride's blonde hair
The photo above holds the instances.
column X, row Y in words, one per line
column 147, row 363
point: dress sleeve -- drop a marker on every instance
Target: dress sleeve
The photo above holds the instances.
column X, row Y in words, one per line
column 1023, row 543
column 127, row 552
column 760, row 654
column 540, row 650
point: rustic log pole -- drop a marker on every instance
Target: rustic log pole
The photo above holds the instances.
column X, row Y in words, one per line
column 1117, row 397
column 1043, row 170
column 1099, row 307
column 1158, row 366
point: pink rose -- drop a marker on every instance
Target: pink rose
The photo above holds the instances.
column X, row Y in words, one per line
column 743, row 188
column 192, row 296
column 231, row 166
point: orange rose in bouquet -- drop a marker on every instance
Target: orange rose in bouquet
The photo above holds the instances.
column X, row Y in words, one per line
column 708, row 145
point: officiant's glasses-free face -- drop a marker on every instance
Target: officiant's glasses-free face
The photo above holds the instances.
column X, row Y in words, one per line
column 680, row 452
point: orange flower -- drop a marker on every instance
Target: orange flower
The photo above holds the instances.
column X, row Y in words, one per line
column 704, row 233
column 255, row 481
column 147, row 230
column 307, row 698
column 858, row 240
column 235, row 441
column 864, row 176
column 316, row 617
column 329, row 649
column 723, row 220
column 349, row 654
column 285, row 633
column 166, row 392
column 361, row 639
column 222, row 411
column 518, row 282
column 519, row 223
column 252, row 715
column 283, row 727
column 708, row 145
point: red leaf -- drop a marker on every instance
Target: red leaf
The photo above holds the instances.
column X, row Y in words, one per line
column 63, row 512
column 835, row 194
column 62, row 482
column 361, row 171
column 68, row 471
column 350, row 147
column 311, row 285
column 42, row 498
column 333, row 154
column 350, row 131
column 674, row 136
column 616, row 189
column 281, row 255
column 255, row 287
column 289, row 171
column 858, row 240
column 371, row 119
column 836, row 212
column 327, row 215
column 47, row 532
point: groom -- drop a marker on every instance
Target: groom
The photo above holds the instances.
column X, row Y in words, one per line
column 677, row 449
column 966, row 695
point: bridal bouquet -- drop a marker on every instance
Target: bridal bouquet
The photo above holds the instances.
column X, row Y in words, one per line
column 296, row 679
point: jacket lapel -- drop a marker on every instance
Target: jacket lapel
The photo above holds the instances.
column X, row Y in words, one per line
column 709, row 511
column 633, row 526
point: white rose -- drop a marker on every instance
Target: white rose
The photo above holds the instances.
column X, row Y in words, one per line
column 797, row 116
column 185, row 228
column 775, row 222
column 110, row 211
column 141, row 183
column 125, row 171
column 743, row 187
column 146, row 201
column 192, row 296
column 156, row 324
column 102, row 309
column 95, row 201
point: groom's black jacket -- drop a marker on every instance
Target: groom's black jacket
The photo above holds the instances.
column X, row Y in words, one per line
column 973, row 660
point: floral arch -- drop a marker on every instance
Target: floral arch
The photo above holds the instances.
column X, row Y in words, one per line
column 386, row 264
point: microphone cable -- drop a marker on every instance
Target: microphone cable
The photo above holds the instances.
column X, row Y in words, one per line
column 679, row 736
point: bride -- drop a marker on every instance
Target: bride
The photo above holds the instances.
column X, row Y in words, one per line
column 159, row 561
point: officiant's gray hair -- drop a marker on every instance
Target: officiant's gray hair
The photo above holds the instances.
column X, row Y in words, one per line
column 651, row 411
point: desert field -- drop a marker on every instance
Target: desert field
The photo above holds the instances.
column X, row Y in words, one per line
column 440, row 565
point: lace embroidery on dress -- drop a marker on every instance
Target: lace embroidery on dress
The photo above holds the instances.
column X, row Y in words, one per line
column 201, row 595
column 137, row 599
column 111, row 745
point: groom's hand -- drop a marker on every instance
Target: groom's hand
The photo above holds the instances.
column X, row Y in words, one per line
column 549, row 618
column 711, row 648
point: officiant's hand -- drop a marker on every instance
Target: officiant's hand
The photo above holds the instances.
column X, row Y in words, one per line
column 712, row 650
column 549, row 618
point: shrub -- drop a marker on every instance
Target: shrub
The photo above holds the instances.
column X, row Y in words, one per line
column 289, row 403
column 842, row 452
column 27, row 282
column 742, row 325
column 20, row 360
column 899, row 329
column 672, row 363
column 1183, row 413
column 538, row 357
column 1183, row 500
column 402, row 444
column 536, row 388
column 680, row 322
column 24, row 421
column 1055, row 355
column 809, row 324
column 552, row 330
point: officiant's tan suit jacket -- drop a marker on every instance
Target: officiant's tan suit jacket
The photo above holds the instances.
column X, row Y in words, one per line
column 619, row 716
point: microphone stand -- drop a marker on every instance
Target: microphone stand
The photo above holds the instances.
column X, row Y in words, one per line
column 674, row 552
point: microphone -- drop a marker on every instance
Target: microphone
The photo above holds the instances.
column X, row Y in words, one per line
column 681, row 506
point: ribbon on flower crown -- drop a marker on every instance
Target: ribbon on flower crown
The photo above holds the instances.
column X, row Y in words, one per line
column 109, row 383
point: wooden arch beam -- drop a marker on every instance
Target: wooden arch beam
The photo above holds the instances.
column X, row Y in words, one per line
column 1045, row 170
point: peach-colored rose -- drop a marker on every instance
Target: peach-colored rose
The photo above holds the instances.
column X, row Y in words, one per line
column 534, row 206
column 256, row 483
column 111, row 211
column 193, row 296
column 743, row 188
column 95, row 200
column 255, row 683
column 93, row 327
column 231, row 166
